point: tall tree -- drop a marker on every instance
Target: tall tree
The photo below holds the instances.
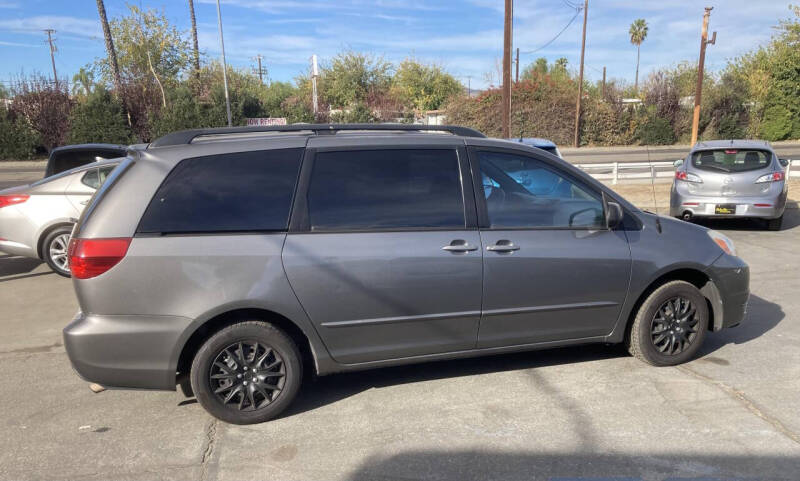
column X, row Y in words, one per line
column 112, row 54
column 195, row 48
column 638, row 32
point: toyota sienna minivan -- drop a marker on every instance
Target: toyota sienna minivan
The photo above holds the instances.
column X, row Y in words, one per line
column 234, row 262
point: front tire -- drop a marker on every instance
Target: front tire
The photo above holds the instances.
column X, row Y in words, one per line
column 670, row 325
column 247, row 373
column 54, row 250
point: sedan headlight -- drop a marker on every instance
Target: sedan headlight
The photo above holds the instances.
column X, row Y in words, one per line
column 723, row 242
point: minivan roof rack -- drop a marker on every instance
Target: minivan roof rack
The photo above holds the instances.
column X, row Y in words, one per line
column 187, row 136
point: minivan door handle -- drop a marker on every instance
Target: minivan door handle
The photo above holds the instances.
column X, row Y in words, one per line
column 459, row 246
column 503, row 246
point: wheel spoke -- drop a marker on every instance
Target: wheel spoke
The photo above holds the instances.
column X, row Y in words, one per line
column 232, row 394
column 248, row 361
column 264, row 357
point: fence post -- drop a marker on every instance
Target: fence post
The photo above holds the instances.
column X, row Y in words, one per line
column 615, row 172
column 653, row 171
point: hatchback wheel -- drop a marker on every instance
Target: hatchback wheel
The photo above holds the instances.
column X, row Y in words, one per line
column 775, row 224
column 54, row 250
column 247, row 373
column 670, row 325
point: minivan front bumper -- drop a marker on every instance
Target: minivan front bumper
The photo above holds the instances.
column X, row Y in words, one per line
column 728, row 291
column 136, row 352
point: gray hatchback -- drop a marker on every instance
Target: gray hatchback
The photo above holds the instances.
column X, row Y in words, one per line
column 730, row 178
column 234, row 262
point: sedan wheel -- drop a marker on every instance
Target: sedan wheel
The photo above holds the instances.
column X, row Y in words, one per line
column 55, row 248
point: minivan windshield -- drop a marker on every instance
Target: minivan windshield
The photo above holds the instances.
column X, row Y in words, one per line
column 731, row 160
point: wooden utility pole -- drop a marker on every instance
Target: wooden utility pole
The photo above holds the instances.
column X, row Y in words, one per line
column 699, row 91
column 507, row 69
column 580, row 78
column 516, row 65
column 604, row 81
column 50, row 32
column 260, row 70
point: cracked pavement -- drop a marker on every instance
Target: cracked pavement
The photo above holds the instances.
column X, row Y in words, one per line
column 583, row 412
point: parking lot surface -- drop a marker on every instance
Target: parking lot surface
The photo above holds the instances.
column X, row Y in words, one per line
column 586, row 412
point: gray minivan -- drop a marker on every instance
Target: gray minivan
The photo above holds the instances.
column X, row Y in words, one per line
column 232, row 262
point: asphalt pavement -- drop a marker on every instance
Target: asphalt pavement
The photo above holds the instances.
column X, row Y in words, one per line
column 589, row 412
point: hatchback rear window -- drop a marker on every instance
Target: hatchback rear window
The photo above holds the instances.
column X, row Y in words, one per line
column 385, row 189
column 731, row 160
column 240, row 192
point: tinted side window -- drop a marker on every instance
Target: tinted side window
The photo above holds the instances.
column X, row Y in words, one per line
column 75, row 158
column 524, row 192
column 385, row 189
column 91, row 179
column 247, row 191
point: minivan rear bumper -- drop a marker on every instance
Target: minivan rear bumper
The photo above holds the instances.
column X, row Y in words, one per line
column 136, row 352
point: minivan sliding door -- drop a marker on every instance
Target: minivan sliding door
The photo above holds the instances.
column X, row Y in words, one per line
column 383, row 261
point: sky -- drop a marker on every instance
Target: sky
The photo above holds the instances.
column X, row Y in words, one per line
column 463, row 36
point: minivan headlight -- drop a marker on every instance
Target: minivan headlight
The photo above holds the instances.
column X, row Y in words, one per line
column 723, row 242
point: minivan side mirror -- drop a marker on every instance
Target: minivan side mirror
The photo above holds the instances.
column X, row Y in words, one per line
column 678, row 163
column 614, row 215
column 784, row 162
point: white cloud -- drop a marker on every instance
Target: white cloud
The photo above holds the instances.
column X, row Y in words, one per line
column 80, row 27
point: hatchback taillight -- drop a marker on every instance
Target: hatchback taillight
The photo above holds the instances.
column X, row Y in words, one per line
column 91, row 257
column 773, row 177
column 12, row 199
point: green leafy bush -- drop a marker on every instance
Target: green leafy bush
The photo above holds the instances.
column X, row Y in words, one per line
column 655, row 130
column 100, row 118
column 777, row 123
column 18, row 141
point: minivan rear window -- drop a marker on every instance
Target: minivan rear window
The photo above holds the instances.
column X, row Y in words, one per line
column 239, row 192
column 731, row 160
column 385, row 189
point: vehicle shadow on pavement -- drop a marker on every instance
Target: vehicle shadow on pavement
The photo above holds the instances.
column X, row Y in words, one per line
column 13, row 266
column 791, row 219
column 326, row 390
column 574, row 466
column 761, row 317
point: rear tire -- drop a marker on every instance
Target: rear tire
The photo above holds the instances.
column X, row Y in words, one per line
column 247, row 373
column 670, row 325
column 54, row 250
column 775, row 224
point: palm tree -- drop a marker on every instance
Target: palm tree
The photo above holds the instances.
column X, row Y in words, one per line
column 196, row 51
column 82, row 82
column 112, row 54
column 638, row 33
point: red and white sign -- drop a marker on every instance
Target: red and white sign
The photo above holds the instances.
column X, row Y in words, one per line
column 267, row 121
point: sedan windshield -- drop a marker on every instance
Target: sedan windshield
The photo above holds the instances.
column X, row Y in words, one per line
column 731, row 160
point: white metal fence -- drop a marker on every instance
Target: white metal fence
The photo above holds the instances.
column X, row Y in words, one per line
column 621, row 171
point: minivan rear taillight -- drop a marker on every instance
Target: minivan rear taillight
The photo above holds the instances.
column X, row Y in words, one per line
column 91, row 257
column 12, row 199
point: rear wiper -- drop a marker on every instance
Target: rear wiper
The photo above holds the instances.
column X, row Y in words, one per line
column 718, row 168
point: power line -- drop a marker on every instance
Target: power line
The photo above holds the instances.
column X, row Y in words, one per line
column 577, row 12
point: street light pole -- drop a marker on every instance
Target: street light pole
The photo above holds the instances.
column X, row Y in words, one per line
column 703, row 42
column 224, row 66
